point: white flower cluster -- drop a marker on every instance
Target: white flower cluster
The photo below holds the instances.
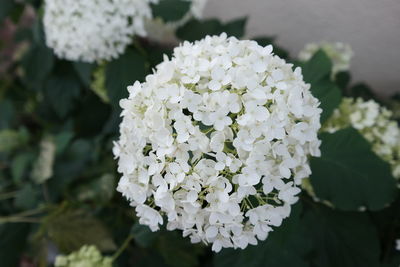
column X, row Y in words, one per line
column 43, row 166
column 339, row 53
column 93, row 30
column 87, row 256
column 374, row 123
column 217, row 141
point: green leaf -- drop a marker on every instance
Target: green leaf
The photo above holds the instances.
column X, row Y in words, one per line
column 12, row 242
column 350, row 175
column 61, row 91
column 329, row 96
column 84, row 71
column 26, row 198
column 123, row 72
column 62, row 140
column 279, row 51
column 37, row 63
column 287, row 245
column 5, row 8
column 319, row 67
column 342, row 79
column 142, row 235
column 19, row 166
column 317, row 72
column 12, row 139
column 235, row 27
column 71, row 229
column 7, row 114
column 99, row 190
column 345, row 239
column 196, row 30
column 171, row 10
column 182, row 253
column 362, row 90
column 69, row 166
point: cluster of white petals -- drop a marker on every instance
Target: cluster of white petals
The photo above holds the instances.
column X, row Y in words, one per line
column 339, row 53
column 93, row 30
column 374, row 123
column 216, row 142
column 43, row 166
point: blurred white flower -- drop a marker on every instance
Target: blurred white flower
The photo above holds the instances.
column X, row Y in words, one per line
column 87, row 256
column 93, row 30
column 43, row 166
column 339, row 53
column 221, row 163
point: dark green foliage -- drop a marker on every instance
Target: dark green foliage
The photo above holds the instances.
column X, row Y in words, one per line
column 317, row 72
column 287, row 245
column 195, row 30
column 170, row 10
column 350, row 175
column 122, row 72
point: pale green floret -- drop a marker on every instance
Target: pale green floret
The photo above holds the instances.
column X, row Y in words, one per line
column 87, row 256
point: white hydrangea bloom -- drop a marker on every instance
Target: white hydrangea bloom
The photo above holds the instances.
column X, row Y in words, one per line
column 339, row 53
column 93, row 30
column 43, row 166
column 374, row 123
column 87, row 256
column 160, row 31
column 216, row 142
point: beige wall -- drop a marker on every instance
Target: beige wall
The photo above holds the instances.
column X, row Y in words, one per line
column 371, row 27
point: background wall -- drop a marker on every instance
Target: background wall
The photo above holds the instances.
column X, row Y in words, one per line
column 371, row 27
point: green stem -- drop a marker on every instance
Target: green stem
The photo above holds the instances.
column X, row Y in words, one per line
column 18, row 220
column 122, row 247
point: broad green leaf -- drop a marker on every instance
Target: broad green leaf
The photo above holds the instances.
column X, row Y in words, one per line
column 362, row 90
column 142, row 235
column 178, row 251
column 92, row 116
column 171, row 10
column 342, row 80
column 196, row 30
column 26, row 198
column 19, row 166
column 12, row 139
column 350, row 175
column 317, row 72
column 287, row 245
column 345, row 239
column 279, row 51
column 329, row 96
column 12, row 243
column 84, row 71
column 69, row 166
column 71, row 229
column 99, row 190
column 62, row 140
column 37, row 63
column 318, row 68
column 123, row 72
column 61, row 91
column 235, row 27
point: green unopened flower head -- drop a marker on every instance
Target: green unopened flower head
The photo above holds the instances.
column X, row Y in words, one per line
column 87, row 256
